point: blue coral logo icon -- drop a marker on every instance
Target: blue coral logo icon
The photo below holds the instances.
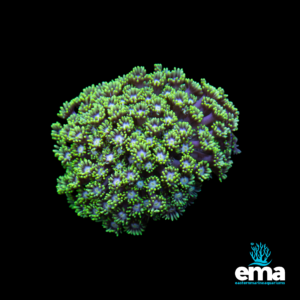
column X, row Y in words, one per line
column 260, row 255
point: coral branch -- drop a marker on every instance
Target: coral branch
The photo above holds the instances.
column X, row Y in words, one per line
column 208, row 119
column 198, row 103
column 176, row 163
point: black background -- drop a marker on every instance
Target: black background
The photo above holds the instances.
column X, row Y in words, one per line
column 55, row 51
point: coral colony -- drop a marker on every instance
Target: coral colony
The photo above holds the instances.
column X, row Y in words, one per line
column 141, row 146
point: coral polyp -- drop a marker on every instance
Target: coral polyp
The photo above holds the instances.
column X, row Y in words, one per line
column 141, row 146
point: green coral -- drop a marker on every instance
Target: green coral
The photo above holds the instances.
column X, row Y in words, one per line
column 140, row 147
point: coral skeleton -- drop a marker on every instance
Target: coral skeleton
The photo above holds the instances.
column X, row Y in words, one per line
column 141, row 146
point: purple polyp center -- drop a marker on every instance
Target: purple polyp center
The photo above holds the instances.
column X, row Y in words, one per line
column 80, row 149
column 184, row 180
column 96, row 190
column 106, row 205
column 152, row 184
column 116, row 181
column 109, row 157
column 130, row 175
column 160, row 155
column 114, row 225
column 119, row 138
column 87, row 169
column 136, row 207
column 96, row 141
column 122, row 215
column 156, row 204
column 178, row 195
column 142, row 153
column 186, row 163
column 131, row 194
column 170, row 175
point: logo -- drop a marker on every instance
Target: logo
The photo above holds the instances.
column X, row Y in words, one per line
column 260, row 255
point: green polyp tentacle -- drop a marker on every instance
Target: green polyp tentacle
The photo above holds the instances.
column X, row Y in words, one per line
column 131, row 175
column 116, row 112
column 81, row 211
column 187, row 164
column 95, row 190
column 154, row 127
column 172, row 140
column 114, row 198
column 111, row 88
column 117, row 137
column 136, row 208
column 126, row 125
column 161, row 155
column 179, row 197
column 202, row 170
column 135, row 227
column 111, row 226
column 195, row 114
column 116, row 180
column 149, row 166
column 169, row 119
column 141, row 111
column 152, row 184
column 63, row 184
column 94, row 142
column 55, row 133
column 105, row 128
column 74, row 182
column 157, row 205
column 141, row 152
column 85, row 168
column 185, row 130
column 186, row 180
column 175, row 77
column 63, row 153
column 100, row 172
column 121, row 216
column 170, row 176
column 186, row 147
column 172, row 212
